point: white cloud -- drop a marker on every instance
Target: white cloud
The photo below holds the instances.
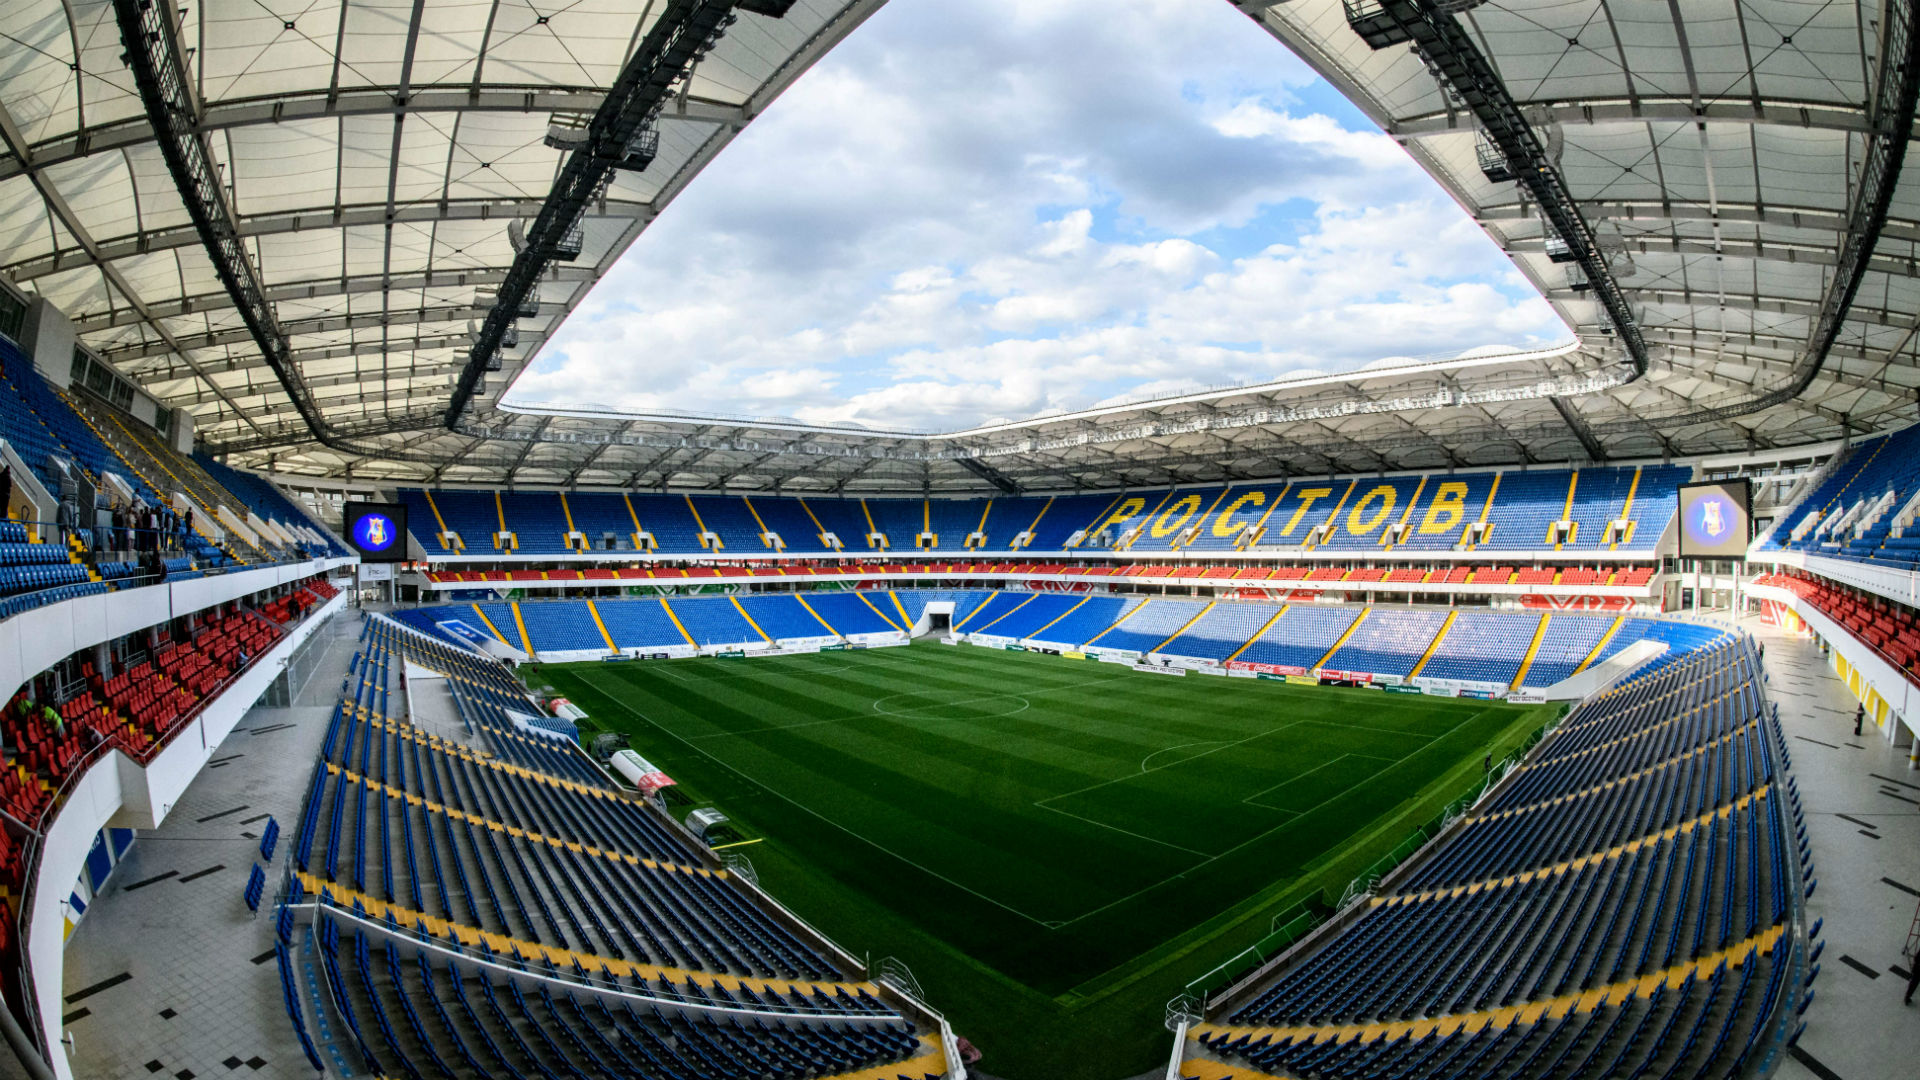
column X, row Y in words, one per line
column 999, row 209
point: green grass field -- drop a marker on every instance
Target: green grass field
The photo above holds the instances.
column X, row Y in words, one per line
column 1054, row 847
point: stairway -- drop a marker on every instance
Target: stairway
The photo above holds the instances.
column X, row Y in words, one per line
column 165, row 471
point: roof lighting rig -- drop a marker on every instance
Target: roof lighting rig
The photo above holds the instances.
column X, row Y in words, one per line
column 621, row 136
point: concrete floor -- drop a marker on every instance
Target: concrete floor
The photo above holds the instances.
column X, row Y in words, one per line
column 1862, row 809
column 169, row 974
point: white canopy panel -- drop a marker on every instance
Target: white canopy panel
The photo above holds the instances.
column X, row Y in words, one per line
column 374, row 154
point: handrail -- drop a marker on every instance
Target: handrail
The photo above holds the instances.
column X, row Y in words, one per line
column 89, row 757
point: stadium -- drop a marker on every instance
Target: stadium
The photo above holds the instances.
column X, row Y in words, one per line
column 1533, row 711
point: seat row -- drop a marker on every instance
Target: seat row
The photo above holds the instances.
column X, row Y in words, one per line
column 1622, row 904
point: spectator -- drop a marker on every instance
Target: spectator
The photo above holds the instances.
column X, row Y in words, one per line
column 1859, row 718
column 54, row 720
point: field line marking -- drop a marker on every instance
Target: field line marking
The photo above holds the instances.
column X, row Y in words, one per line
column 899, row 716
column 1258, row 836
column 1127, row 832
column 1179, row 746
column 797, row 804
column 1182, row 761
column 1302, row 776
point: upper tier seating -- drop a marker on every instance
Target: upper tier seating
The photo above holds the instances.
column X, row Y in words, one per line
column 1674, row 928
column 257, row 494
column 1857, row 510
column 41, row 425
column 1435, row 510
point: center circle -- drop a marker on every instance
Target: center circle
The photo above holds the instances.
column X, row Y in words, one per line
column 950, row 705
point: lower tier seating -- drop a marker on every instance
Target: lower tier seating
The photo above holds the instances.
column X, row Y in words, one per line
column 1622, row 905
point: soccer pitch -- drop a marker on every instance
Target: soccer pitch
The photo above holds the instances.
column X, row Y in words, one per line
column 1053, row 846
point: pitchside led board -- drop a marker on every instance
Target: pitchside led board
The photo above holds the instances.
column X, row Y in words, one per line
column 1714, row 519
column 377, row 531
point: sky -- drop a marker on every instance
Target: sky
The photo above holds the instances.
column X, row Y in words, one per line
column 983, row 210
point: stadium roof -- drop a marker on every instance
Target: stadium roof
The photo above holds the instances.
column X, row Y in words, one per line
column 1710, row 194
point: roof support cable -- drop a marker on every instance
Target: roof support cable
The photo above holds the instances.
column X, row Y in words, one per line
column 1595, row 452
column 159, row 69
column 1465, row 74
column 620, row 135
column 990, row 474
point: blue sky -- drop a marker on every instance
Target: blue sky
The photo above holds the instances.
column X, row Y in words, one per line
column 975, row 210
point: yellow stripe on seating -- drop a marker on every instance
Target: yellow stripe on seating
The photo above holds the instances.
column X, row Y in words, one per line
column 1095, row 522
column 637, row 530
column 1533, row 650
column 749, row 618
column 1530, row 1012
column 1351, row 627
column 1083, row 600
column 1485, row 511
column 884, row 617
column 597, row 621
column 811, row 516
column 1566, row 513
column 906, row 624
column 1614, row 852
column 489, row 623
column 817, row 616
column 1184, row 626
column 1626, row 511
column 931, row 1063
column 982, row 606
column 1030, row 599
column 437, row 519
column 1260, row 633
column 1615, row 782
column 1618, row 621
column 1036, row 518
column 1137, row 608
column 1407, row 516
column 1434, row 645
column 764, row 542
column 668, row 608
column 525, row 641
column 503, row 946
column 717, row 545
column 515, row 831
column 435, row 742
